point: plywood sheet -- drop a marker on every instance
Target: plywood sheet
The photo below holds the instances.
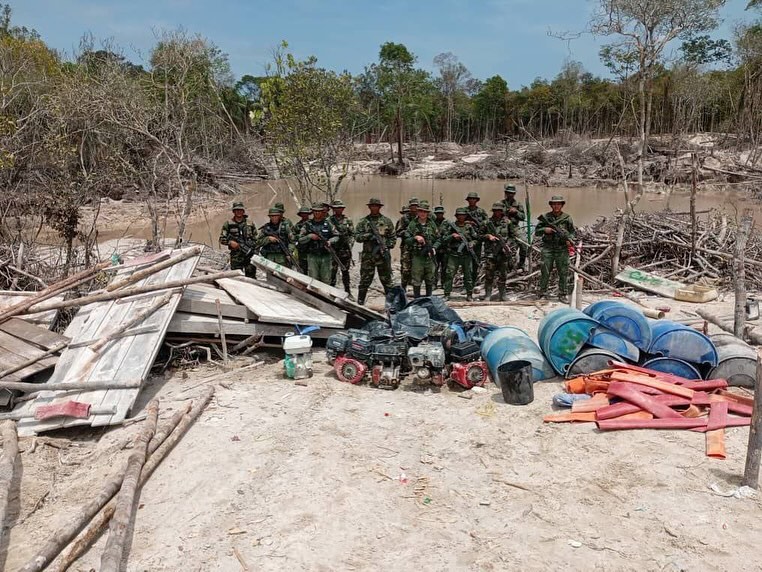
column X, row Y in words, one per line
column 45, row 319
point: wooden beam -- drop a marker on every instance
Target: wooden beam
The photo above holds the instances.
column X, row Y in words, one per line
column 7, row 469
column 754, row 448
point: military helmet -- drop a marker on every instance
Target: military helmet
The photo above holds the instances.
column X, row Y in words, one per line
column 404, row 210
column 238, row 205
column 337, row 204
column 439, row 209
column 280, row 207
column 509, row 188
column 274, row 211
column 461, row 211
column 413, row 202
column 556, row 199
column 473, row 195
column 498, row 207
column 319, row 206
column 375, row 201
column 424, row 206
column 304, row 210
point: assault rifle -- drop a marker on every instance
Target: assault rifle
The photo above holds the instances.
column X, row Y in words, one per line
column 561, row 232
column 464, row 243
column 282, row 245
column 427, row 248
column 503, row 244
column 327, row 245
column 382, row 248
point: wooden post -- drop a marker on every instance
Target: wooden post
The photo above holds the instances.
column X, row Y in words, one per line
column 694, row 184
column 754, row 450
column 739, row 273
column 7, row 467
column 111, row 559
column 620, row 228
column 222, row 333
column 153, row 269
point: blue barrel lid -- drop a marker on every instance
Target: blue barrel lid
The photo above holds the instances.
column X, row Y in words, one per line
column 674, row 366
column 605, row 339
column 506, row 344
column 682, row 342
column 562, row 334
column 625, row 319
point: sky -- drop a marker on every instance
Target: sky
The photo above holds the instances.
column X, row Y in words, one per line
column 506, row 37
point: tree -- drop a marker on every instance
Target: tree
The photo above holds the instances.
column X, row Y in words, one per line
column 644, row 28
column 491, row 105
column 454, row 82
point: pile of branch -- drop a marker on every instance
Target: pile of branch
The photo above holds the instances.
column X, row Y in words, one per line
column 662, row 243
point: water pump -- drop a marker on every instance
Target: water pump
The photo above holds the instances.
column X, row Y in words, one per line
column 427, row 361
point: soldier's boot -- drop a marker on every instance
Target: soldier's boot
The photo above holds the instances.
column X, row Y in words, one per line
column 487, row 293
column 429, row 289
column 501, row 291
column 469, row 296
column 416, row 292
column 563, row 298
column 361, row 294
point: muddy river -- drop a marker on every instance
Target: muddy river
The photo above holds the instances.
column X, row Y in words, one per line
column 584, row 204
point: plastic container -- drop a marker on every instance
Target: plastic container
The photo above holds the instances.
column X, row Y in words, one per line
column 625, row 319
column 737, row 361
column 562, row 334
column 605, row 339
column 516, row 382
column 681, row 342
column 508, row 344
column 590, row 360
column 674, row 366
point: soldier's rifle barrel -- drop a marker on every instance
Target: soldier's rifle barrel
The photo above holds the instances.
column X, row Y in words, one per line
column 469, row 248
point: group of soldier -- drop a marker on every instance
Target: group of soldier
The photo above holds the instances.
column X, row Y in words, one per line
column 433, row 249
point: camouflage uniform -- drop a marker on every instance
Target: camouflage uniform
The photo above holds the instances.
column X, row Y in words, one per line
column 457, row 253
column 319, row 258
column 301, row 253
column 406, row 257
column 439, row 273
column 346, row 230
column 244, row 234
column 423, row 255
column 372, row 259
column 476, row 217
column 497, row 263
column 509, row 202
column 555, row 250
column 273, row 250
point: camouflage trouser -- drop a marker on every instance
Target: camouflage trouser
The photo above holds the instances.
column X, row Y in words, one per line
column 441, row 269
column 523, row 250
column 301, row 257
column 423, row 270
column 238, row 262
column 475, row 263
column 319, row 267
column 455, row 262
column 346, row 259
column 496, row 267
column 560, row 258
column 369, row 264
column 277, row 257
column 406, row 266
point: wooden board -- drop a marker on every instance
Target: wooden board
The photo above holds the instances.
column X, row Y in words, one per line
column 191, row 324
column 126, row 360
column 21, row 341
column 649, row 282
column 200, row 299
column 45, row 319
column 276, row 307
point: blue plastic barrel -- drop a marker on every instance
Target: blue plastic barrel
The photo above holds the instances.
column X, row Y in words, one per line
column 625, row 319
column 562, row 334
column 674, row 366
column 508, row 344
column 605, row 339
column 679, row 341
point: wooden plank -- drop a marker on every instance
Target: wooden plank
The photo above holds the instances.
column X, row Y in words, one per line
column 307, row 298
column 649, row 282
column 45, row 319
column 277, row 307
column 202, row 301
column 14, row 351
column 32, row 334
column 192, row 325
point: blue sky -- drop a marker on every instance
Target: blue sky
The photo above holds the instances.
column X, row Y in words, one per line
column 506, row 37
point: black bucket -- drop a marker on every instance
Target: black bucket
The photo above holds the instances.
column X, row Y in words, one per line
column 516, row 382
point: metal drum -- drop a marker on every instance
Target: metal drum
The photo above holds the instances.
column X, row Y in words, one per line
column 674, row 366
column 681, row 342
column 562, row 334
column 606, row 339
column 590, row 360
column 625, row 319
column 507, row 344
column 737, row 361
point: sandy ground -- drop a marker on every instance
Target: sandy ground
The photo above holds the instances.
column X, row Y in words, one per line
column 339, row 477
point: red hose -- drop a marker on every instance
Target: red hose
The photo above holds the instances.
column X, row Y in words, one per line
column 678, row 423
column 624, row 408
column 628, row 392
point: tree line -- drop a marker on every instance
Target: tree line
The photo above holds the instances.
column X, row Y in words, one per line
column 73, row 130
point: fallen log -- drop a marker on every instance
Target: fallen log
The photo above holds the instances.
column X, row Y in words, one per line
column 7, row 468
column 104, row 297
column 111, row 559
column 140, row 274
column 753, row 336
column 754, row 448
column 133, row 321
column 65, row 386
column 158, row 450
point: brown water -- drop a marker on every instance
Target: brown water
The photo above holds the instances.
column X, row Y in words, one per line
column 584, row 204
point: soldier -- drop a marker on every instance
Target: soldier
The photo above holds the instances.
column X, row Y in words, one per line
column 499, row 237
column 406, row 260
column 346, row 231
column 240, row 237
column 275, row 240
column 557, row 231
column 422, row 238
column 475, row 216
column 284, row 220
column 439, row 273
column 515, row 212
column 376, row 234
column 304, row 216
column 459, row 238
column 318, row 237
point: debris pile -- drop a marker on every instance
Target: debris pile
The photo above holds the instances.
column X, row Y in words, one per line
column 630, row 397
